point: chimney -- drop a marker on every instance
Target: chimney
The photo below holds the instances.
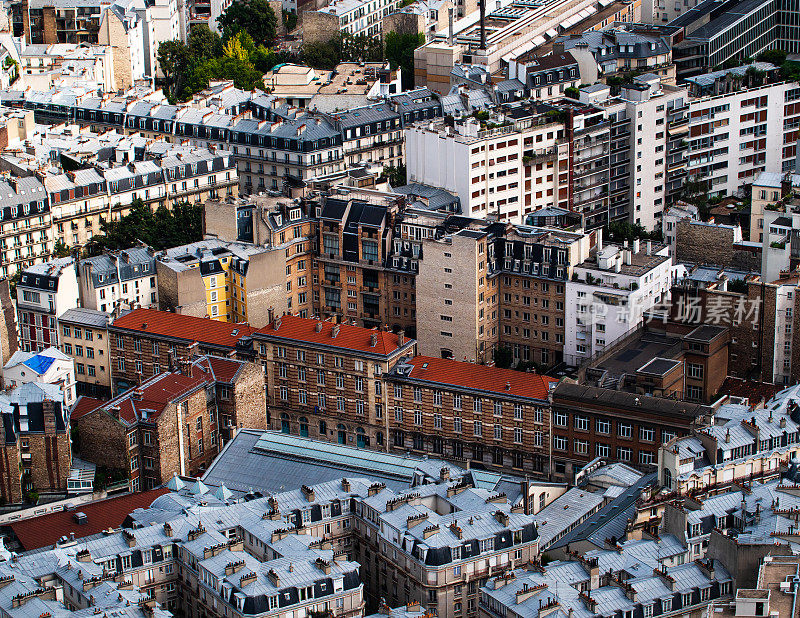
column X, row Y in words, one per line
column 649, row 247
column 636, row 245
column 276, row 324
column 450, row 37
column 373, row 340
column 401, row 338
column 482, row 6
column 318, row 327
column 334, row 331
column 627, row 256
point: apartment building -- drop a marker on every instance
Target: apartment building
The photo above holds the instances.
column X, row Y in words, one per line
column 79, row 199
column 512, row 169
column 740, row 111
column 601, row 584
column 288, row 227
column 36, row 446
column 50, row 366
column 120, row 279
column 714, row 33
column 323, row 380
column 739, row 442
column 145, row 342
column 173, row 422
column 371, row 133
column 354, row 17
column 44, row 292
column 589, row 422
column 354, row 244
column 621, row 47
column 531, row 266
column 274, row 145
column 226, row 281
column 84, row 337
column 491, row 416
column 26, row 234
column 608, row 294
column 458, row 317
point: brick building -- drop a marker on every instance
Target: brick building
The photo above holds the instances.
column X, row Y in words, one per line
column 324, row 380
column 145, row 342
column 174, row 422
column 35, row 448
column 590, row 422
column 491, row 416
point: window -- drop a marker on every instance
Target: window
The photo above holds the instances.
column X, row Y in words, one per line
column 582, row 447
column 560, row 419
column 602, row 450
column 624, row 453
column 559, row 443
column 624, row 430
column 603, row 426
column 647, row 434
column 517, row 411
column 581, row 423
column 695, row 371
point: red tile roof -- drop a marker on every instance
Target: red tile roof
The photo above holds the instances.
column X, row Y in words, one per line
column 223, row 369
column 83, row 406
column 481, row 377
column 186, row 327
column 151, row 398
column 753, row 390
column 348, row 337
column 45, row 530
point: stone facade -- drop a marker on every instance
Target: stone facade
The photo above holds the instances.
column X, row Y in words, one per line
column 700, row 243
column 319, row 27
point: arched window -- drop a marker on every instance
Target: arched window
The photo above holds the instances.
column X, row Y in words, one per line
column 285, row 424
column 304, row 426
column 341, row 434
column 362, row 441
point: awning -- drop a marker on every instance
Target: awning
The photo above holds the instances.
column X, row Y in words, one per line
column 591, row 10
column 539, row 40
column 553, row 33
column 605, row 3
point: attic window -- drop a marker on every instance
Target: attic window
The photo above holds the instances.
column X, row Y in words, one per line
column 234, row 332
column 424, row 365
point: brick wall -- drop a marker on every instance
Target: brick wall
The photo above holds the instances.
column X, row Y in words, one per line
column 703, row 244
column 103, row 440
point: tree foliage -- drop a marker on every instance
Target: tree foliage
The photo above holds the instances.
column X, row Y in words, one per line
column 173, row 57
column 159, row 229
column 395, row 175
column 342, row 48
column 61, row 250
column 619, row 231
column 255, row 17
column 399, row 50
column 209, row 58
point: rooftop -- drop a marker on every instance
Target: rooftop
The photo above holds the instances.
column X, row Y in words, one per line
column 182, row 327
column 507, row 382
column 328, row 334
column 46, row 530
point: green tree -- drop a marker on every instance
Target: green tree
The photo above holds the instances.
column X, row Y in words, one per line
column 395, row 175
column 61, row 249
column 173, row 57
column 399, row 51
column 503, row 357
column 289, row 20
column 161, row 229
column 774, row 56
column 204, row 43
column 255, row 17
column 321, row 54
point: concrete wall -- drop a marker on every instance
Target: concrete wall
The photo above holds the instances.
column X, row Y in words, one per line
column 319, row 27
column 181, row 291
column 703, row 243
column 266, row 287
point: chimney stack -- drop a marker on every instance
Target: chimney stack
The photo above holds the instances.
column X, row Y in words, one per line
column 401, row 338
column 450, row 37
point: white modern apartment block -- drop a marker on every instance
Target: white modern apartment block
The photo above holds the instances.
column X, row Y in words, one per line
column 735, row 136
column 44, row 292
column 492, row 170
column 609, row 293
column 50, row 366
